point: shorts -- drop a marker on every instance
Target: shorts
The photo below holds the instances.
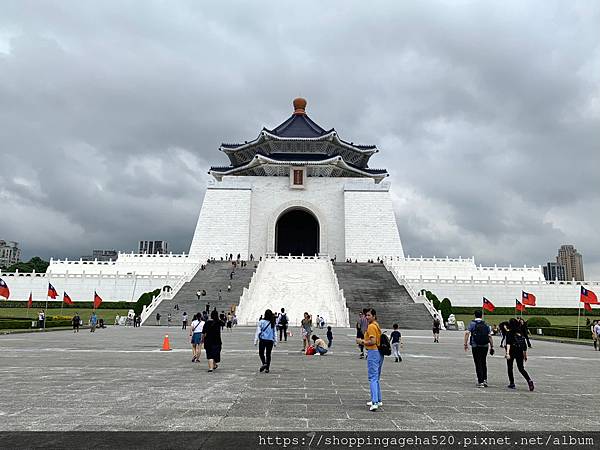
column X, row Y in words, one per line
column 213, row 352
column 196, row 338
column 436, row 331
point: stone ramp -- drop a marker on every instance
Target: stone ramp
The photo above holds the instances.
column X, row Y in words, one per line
column 213, row 278
column 371, row 285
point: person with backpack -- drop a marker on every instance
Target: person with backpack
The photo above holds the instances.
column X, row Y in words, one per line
column 436, row 329
column 266, row 338
column 75, row 321
column 396, row 342
column 372, row 341
column 516, row 351
column 283, row 325
column 479, row 336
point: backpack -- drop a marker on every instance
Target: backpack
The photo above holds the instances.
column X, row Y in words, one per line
column 310, row 350
column 480, row 334
column 283, row 320
column 520, row 342
column 436, row 323
column 384, row 345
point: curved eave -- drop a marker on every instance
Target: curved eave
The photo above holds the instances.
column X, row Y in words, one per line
column 265, row 135
column 259, row 160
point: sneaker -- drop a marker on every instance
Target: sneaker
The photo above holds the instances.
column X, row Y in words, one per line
column 210, row 370
column 400, row 359
column 485, row 383
column 511, row 386
column 480, row 385
column 378, row 403
column 362, row 355
column 262, row 368
column 267, row 370
column 531, row 386
column 395, row 359
column 374, row 407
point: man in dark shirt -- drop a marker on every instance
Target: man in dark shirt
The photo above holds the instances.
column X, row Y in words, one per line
column 396, row 339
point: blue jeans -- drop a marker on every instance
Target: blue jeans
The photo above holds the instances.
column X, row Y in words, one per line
column 374, row 365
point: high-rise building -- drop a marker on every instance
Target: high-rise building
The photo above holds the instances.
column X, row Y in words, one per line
column 102, row 255
column 9, row 253
column 569, row 257
column 554, row 271
column 153, row 247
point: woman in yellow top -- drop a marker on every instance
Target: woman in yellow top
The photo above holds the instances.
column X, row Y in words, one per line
column 374, row 358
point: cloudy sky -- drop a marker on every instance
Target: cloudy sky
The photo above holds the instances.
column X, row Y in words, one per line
column 487, row 115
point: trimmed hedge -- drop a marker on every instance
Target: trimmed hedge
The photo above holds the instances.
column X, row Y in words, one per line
column 54, row 304
column 584, row 332
column 538, row 322
column 505, row 310
column 145, row 299
column 16, row 324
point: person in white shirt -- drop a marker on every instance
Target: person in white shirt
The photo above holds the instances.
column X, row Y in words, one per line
column 597, row 331
column 196, row 336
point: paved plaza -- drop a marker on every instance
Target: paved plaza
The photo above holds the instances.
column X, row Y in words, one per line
column 117, row 379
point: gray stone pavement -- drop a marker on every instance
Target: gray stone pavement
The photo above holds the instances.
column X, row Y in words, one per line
column 117, row 379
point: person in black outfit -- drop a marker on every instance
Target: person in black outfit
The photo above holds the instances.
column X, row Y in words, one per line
column 516, row 350
column 502, row 327
column 283, row 325
column 212, row 340
column 524, row 331
column 479, row 336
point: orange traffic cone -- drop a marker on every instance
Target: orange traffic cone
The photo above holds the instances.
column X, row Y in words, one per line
column 166, row 346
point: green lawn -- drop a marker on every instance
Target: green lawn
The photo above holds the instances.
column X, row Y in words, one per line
column 107, row 314
column 554, row 320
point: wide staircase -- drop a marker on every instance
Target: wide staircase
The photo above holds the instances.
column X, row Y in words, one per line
column 213, row 278
column 371, row 285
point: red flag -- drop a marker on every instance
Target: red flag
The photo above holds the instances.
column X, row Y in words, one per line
column 520, row 306
column 4, row 291
column 52, row 292
column 30, row 301
column 528, row 299
column 587, row 296
column 587, row 306
column 67, row 299
column 487, row 305
column 97, row 300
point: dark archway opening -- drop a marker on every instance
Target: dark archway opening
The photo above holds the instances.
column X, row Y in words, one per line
column 297, row 233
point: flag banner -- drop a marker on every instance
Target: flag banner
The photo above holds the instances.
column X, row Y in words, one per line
column 52, row 292
column 487, row 305
column 4, row 291
column 528, row 299
column 30, row 301
column 587, row 307
column 67, row 299
column 520, row 306
column 97, row 300
column 587, row 296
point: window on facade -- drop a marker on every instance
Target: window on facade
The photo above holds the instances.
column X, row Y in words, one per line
column 298, row 181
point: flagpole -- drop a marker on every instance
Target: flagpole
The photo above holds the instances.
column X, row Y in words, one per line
column 515, row 307
column 578, row 313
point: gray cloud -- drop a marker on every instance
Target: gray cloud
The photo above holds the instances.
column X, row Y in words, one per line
column 487, row 115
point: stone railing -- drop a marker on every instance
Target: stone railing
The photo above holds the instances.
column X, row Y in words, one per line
column 147, row 310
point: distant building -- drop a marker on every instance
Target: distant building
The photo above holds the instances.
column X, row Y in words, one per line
column 554, row 271
column 569, row 257
column 153, row 247
column 10, row 253
column 102, row 255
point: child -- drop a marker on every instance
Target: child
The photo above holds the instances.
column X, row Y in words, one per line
column 329, row 337
column 396, row 342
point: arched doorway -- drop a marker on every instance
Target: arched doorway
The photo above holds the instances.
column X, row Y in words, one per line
column 297, row 233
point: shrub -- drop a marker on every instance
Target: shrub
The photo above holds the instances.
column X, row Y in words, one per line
column 584, row 332
column 446, row 308
column 145, row 299
column 538, row 322
column 509, row 311
column 53, row 304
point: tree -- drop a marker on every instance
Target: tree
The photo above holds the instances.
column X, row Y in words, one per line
column 433, row 299
column 36, row 263
column 145, row 299
column 446, row 308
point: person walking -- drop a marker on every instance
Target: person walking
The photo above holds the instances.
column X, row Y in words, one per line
column 158, row 319
column 184, row 321
column 229, row 318
column 207, row 308
column 196, row 336
column 306, row 329
column 41, row 319
column 329, row 337
column 212, row 340
column 75, row 322
column 371, row 342
column 396, row 341
column 524, row 330
column 597, row 330
column 436, row 328
column 502, row 328
column 479, row 336
column 169, row 319
column 360, row 335
column 266, row 338
column 198, row 294
column 516, row 351
column 93, row 322
column 282, row 325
